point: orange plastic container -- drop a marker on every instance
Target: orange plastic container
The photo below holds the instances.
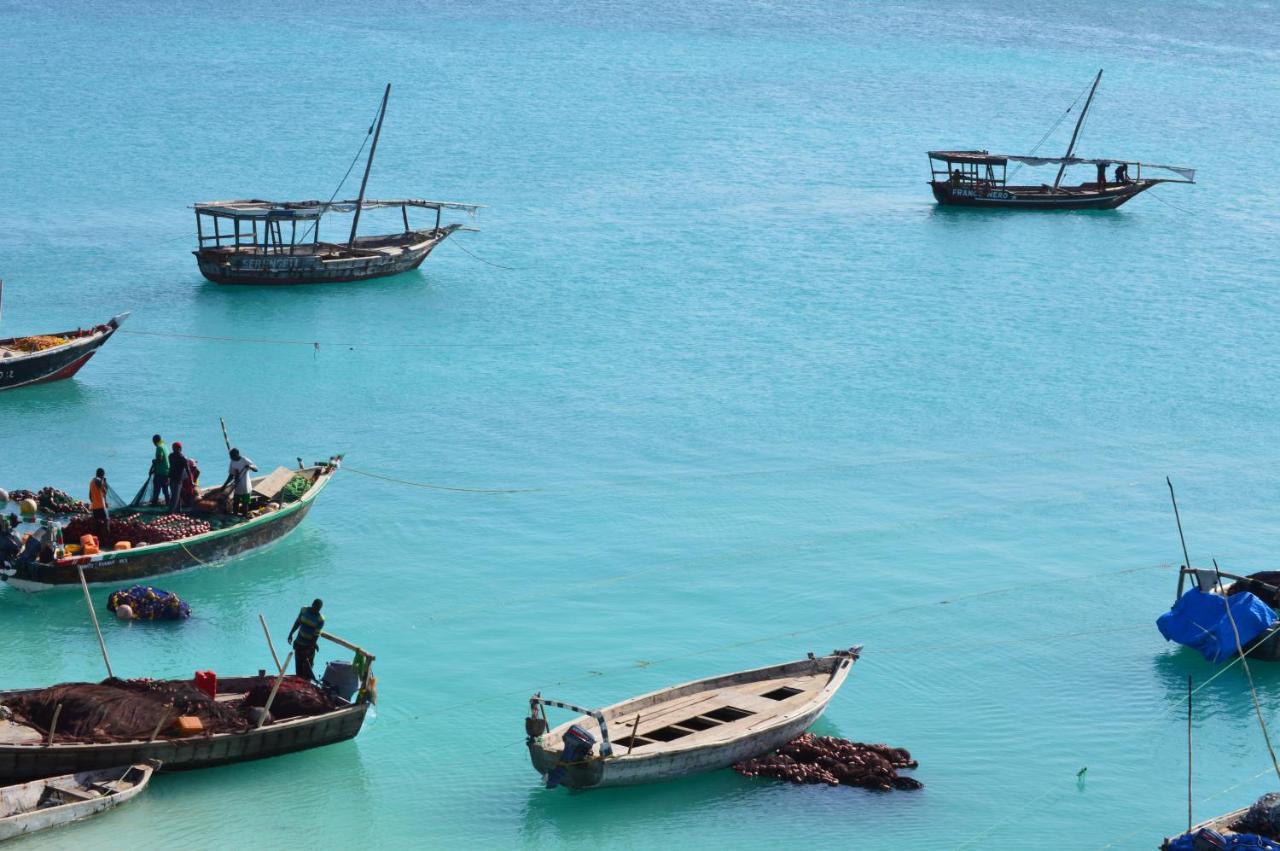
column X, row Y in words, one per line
column 187, row 725
column 89, row 544
column 207, row 682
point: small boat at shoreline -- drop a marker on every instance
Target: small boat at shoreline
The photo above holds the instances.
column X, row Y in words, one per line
column 247, row 718
column 245, row 241
column 699, row 726
column 55, row 801
column 228, row 536
column 39, row 358
column 978, row 178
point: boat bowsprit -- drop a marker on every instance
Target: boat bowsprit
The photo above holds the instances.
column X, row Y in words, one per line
column 698, row 726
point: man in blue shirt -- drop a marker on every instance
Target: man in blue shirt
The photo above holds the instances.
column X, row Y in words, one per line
column 308, row 626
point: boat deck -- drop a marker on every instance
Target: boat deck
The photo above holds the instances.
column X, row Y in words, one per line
column 714, row 715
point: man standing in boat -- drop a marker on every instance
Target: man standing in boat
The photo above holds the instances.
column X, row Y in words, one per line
column 98, row 499
column 308, row 625
column 177, row 476
column 239, row 472
column 159, row 472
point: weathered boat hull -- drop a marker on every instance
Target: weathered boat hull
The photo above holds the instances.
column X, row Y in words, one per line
column 57, row 363
column 1222, row 824
column 21, row 763
column 23, row 823
column 383, row 256
column 1035, row 198
column 125, row 566
column 624, row 768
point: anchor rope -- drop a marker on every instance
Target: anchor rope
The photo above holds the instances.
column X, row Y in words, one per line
column 436, row 487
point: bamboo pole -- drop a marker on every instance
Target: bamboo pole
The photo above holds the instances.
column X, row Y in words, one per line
column 53, row 725
column 270, row 645
column 102, row 645
column 266, row 710
column 164, row 717
column 635, row 731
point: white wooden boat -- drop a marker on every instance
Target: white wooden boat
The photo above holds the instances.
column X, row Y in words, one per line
column 698, row 726
column 61, row 800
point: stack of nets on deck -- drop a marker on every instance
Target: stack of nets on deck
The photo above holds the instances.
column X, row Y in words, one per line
column 836, row 762
column 38, row 343
column 130, row 710
column 135, row 530
column 50, row 500
column 293, row 491
column 150, row 604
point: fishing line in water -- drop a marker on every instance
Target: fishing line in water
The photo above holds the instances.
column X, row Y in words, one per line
column 460, row 247
column 430, row 486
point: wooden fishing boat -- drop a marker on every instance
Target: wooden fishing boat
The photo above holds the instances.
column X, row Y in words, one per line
column 26, row 754
column 56, row 801
column 52, row 357
column 1226, row 825
column 244, row 242
column 698, row 726
column 236, row 537
column 978, row 178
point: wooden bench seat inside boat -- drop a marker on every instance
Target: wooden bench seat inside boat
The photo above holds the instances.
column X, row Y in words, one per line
column 711, row 715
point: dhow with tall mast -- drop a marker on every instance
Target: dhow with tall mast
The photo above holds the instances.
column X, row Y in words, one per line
column 247, row 241
column 980, row 179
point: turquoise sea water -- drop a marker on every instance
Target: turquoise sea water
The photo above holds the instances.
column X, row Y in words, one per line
column 769, row 398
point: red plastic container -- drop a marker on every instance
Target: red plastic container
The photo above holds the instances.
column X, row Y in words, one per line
column 207, row 682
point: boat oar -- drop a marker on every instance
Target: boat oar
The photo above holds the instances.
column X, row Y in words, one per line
column 225, row 439
column 53, row 725
column 266, row 710
column 270, row 644
column 94, row 617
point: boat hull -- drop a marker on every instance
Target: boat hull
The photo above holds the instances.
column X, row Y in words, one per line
column 127, row 566
column 657, row 768
column 24, row 823
column 382, row 257
column 1037, row 198
column 57, row 363
column 21, row 763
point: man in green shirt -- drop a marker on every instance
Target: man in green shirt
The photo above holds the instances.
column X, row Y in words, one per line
column 159, row 472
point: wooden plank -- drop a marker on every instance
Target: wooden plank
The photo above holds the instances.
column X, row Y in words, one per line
column 269, row 486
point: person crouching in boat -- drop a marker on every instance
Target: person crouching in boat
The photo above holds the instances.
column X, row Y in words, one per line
column 98, row 500
column 159, row 472
column 308, row 625
column 239, row 472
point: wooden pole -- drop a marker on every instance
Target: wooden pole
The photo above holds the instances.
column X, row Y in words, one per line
column 225, row 439
column 53, row 725
column 102, row 645
column 270, row 644
column 1186, row 558
column 382, row 113
column 275, row 688
column 1075, row 133
column 1189, row 693
column 635, row 731
column 164, row 718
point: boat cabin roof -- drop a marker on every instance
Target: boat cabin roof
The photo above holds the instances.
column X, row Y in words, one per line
column 988, row 158
column 254, row 208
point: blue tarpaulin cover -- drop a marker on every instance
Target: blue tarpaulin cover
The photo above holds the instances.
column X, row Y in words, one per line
column 1199, row 620
column 1234, row 842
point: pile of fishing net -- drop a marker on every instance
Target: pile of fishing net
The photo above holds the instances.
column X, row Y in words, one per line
column 150, row 604
column 50, row 500
column 296, row 698
column 37, row 343
column 121, row 710
column 135, row 530
column 836, row 762
column 293, row 491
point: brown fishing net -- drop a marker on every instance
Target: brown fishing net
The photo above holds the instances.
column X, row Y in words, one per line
column 836, row 762
column 128, row 710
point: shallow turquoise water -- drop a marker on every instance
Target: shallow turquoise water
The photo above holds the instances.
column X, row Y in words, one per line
column 771, row 398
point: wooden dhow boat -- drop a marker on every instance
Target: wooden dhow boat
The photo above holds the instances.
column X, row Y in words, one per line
column 231, row 536
column 978, row 178
column 56, row 801
column 698, row 726
column 38, row 358
column 246, row 242
column 1232, row 824
column 31, row 749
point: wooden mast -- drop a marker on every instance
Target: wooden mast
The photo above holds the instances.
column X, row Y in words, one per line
column 382, row 113
column 1074, row 133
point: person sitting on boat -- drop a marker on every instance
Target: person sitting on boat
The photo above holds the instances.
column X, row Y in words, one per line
column 159, row 472
column 239, row 471
column 98, row 499
column 956, row 177
column 10, row 543
column 308, row 625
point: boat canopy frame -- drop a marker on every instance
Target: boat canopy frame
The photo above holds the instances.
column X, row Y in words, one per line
column 274, row 214
column 973, row 166
column 606, row 747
